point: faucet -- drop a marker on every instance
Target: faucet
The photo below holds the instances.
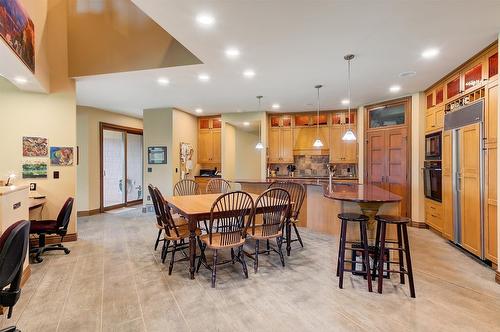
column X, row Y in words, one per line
column 332, row 170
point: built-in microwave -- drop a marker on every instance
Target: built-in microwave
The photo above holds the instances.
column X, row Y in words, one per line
column 433, row 146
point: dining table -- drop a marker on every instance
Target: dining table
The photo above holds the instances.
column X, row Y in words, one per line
column 197, row 208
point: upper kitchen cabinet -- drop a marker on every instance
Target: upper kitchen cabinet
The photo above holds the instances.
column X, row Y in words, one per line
column 280, row 121
column 474, row 75
column 311, row 119
column 343, row 117
column 280, row 145
column 453, row 87
column 209, row 140
column 342, row 151
column 387, row 116
column 492, row 64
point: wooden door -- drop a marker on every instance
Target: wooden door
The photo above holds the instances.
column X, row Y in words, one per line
column 396, row 170
column 204, row 146
column 376, row 159
column 447, row 185
column 470, row 189
column 350, row 149
column 336, row 146
column 216, row 146
column 491, row 131
column 274, row 145
column 286, row 145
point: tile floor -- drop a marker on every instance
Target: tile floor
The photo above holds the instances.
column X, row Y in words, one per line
column 113, row 281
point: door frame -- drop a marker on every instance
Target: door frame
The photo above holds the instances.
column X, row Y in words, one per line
column 127, row 130
column 407, row 102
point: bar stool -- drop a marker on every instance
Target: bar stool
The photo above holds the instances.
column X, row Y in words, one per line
column 362, row 220
column 380, row 243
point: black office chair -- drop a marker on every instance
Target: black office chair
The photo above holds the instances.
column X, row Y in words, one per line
column 58, row 227
column 13, row 248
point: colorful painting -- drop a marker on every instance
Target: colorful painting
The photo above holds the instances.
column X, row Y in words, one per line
column 35, row 146
column 18, row 31
column 61, row 156
column 35, row 171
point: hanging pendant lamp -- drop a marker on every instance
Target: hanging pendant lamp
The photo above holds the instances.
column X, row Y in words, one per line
column 349, row 134
column 317, row 143
column 259, row 145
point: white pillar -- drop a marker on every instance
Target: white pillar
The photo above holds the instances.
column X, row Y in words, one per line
column 417, row 156
column 360, row 137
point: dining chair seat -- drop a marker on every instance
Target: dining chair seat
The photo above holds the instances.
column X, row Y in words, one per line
column 216, row 242
column 262, row 234
column 183, row 231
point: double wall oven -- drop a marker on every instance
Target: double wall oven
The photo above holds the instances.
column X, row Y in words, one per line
column 432, row 167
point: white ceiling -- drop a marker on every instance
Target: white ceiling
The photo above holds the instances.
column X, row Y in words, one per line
column 295, row 44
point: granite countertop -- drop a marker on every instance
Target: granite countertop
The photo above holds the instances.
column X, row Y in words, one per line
column 305, row 181
column 207, row 176
column 313, row 177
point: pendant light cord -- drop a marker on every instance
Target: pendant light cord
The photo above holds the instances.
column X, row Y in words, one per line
column 349, row 91
column 317, row 117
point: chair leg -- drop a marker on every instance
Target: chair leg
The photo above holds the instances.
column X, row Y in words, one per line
column 400, row 255
column 214, row 267
column 164, row 251
column 241, row 256
column 202, row 257
column 408, row 261
column 170, row 268
column 377, row 243
column 366, row 255
column 256, row 261
column 342, row 253
column 381, row 257
column 158, row 239
column 288, row 231
column 298, row 235
column 268, row 247
column 279, row 242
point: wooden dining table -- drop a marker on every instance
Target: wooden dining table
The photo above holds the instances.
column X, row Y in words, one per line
column 195, row 208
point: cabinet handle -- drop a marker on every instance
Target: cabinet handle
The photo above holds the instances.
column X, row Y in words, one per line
column 434, row 216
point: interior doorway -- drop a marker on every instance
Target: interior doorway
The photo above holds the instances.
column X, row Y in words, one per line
column 121, row 173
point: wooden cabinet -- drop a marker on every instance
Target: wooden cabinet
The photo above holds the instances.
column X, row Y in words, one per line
column 453, row 87
column 209, row 140
column 342, row 151
column 280, row 149
column 491, row 132
column 311, row 119
column 434, row 119
column 280, row 120
column 343, row 117
column 433, row 214
column 304, row 137
column 474, row 75
column 447, row 186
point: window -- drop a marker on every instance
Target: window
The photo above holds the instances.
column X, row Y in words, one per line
column 387, row 116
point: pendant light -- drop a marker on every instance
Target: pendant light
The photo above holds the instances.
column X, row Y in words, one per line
column 259, row 145
column 317, row 143
column 349, row 134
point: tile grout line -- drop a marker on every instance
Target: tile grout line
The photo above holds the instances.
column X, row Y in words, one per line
column 67, row 294
column 136, row 290
column 102, row 294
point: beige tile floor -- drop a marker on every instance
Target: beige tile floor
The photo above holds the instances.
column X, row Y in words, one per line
column 113, row 281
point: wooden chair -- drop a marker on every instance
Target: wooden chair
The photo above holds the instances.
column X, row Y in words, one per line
column 218, row 186
column 159, row 223
column 186, row 187
column 176, row 231
column 275, row 205
column 297, row 193
column 230, row 217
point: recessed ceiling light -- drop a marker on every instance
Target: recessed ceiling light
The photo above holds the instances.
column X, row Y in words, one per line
column 239, row 111
column 204, row 77
column 20, row 80
column 163, row 81
column 395, row 88
column 232, row 52
column 246, row 124
column 198, row 110
column 249, row 73
column 205, row 20
column 410, row 73
column 345, row 101
column 430, row 53
column 275, row 106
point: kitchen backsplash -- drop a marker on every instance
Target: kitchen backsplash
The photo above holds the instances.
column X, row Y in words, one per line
column 316, row 166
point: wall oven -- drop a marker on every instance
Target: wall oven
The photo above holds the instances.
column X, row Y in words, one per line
column 433, row 146
column 432, row 180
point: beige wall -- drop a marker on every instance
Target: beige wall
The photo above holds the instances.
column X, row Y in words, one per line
column 88, row 141
column 360, row 139
column 417, row 156
column 185, row 130
column 228, row 151
column 247, row 157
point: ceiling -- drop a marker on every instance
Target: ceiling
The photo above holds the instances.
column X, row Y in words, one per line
column 294, row 45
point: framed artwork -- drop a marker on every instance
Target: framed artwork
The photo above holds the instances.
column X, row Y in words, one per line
column 35, row 146
column 18, row 31
column 35, row 171
column 61, row 156
column 157, row 155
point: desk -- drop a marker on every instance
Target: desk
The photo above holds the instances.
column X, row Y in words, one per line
column 36, row 202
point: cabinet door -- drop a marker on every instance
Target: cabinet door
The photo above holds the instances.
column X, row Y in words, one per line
column 439, row 95
column 274, row 145
column 492, row 61
column 473, row 75
column 447, row 186
column 491, row 113
column 439, row 117
column 396, row 167
column 429, row 100
column 470, row 189
column 430, row 120
column 216, row 146
column 204, row 146
column 336, row 146
column 350, row 149
column 286, row 143
column 275, row 120
column 375, row 158
column 453, row 87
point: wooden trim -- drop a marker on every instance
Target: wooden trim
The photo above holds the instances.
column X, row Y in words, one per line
column 419, row 224
column 497, row 276
column 26, row 275
column 88, row 213
column 127, row 130
column 53, row 239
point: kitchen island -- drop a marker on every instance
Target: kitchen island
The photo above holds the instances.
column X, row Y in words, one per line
column 322, row 204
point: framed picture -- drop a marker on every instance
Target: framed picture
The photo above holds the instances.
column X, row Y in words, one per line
column 35, row 146
column 157, row 155
column 35, row 171
column 61, row 156
column 18, row 31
